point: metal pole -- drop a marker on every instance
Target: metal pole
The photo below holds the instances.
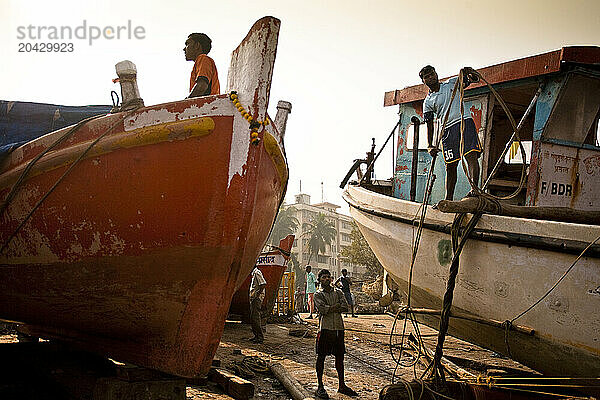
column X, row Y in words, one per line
column 370, row 165
column 415, row 158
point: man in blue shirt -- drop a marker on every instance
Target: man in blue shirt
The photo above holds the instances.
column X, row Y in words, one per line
column 311, row 288
column 435, row 106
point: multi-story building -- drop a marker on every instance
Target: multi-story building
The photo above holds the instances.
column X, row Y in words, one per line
column 331, row 259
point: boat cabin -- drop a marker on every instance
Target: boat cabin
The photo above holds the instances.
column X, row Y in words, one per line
column 560, row 134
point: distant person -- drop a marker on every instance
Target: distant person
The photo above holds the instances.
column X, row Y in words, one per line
column 330, row 303
column 257, row 295
column 435, row 106
column 204, row 79
column 311, row 288
column 344, row 282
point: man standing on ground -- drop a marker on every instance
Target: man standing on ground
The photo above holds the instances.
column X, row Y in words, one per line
column 257, row 295
column 344, row 282
column 330, row 303
column 311, row 288
column 204, row 79
column 435, row 105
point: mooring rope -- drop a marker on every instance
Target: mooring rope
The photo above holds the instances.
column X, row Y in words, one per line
column 60, row 179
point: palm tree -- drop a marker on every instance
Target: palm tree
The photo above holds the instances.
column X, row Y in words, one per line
column 320, row 232
column 285, row 224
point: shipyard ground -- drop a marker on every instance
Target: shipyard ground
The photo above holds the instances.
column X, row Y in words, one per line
column 368, row 364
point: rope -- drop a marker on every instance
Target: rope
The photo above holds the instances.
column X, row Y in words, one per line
column 437, row 369
column 60, row 179
column 557, row 282
column 256, row 364
column 17, row 185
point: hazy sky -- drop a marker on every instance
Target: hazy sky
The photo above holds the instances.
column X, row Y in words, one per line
column 335, row 59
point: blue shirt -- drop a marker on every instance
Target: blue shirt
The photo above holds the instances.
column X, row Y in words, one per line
column 437, row 102
column 311, row 282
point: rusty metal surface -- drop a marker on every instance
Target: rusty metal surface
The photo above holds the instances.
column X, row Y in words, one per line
column 540, row 64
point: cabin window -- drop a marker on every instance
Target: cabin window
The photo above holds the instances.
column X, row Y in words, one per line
column 513, row 156
column 410, row 135
column 508, row 174
column 574, row 118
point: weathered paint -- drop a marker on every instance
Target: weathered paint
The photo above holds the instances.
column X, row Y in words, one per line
column 137, row 252
column 444, row 252
column 495, row 281
column 272, row 264
column 541, row 64
column 273, row 148
column 250, row 74
column 168, row 131
column 569, row 177
column 402, row 176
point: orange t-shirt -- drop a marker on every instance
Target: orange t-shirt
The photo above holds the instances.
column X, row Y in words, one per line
column 205, row 66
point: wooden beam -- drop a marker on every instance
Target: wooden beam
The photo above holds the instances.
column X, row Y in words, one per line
column 233, row 385
column 294, row 388
column 562, row 214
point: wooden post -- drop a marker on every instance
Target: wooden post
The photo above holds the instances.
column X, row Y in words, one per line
column 293, row 387
column 283, row 109
column 233, row 385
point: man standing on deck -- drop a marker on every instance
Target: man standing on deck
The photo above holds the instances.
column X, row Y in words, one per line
column 436, row 105
column 330, row 303
column 204, row 79
column 311, row 288
column 344, row 282
column 257, row 295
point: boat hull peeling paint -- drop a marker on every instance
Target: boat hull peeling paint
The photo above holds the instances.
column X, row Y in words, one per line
column 496, row 280
column 137, row 252
column 272, row 264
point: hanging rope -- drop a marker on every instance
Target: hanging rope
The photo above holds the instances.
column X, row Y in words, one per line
column 60, row 179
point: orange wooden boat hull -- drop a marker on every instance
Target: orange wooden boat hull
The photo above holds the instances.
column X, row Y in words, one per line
column 136, row 252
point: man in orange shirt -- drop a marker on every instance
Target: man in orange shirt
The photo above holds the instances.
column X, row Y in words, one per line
column 204, row 79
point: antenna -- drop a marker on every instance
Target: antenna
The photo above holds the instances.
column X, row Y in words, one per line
column 322, row 200
column 300, row 185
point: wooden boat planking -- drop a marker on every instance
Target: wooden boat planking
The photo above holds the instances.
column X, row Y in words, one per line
column 137, row 252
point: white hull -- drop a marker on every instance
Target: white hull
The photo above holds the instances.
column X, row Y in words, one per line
column 497, row 279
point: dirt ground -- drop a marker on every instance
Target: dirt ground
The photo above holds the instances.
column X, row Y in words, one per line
column 368, row 363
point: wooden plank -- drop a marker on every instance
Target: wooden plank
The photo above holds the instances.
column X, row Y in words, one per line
column 526, row 67
column 233, row 385
column 133, row 373
column 239, row 388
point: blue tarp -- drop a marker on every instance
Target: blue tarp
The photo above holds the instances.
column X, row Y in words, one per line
column 22, row 121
